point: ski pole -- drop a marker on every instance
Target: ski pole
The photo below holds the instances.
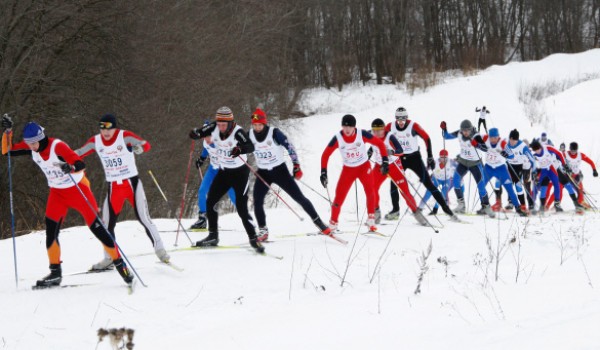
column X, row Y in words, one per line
column 106, row 229
column 271, row 188
column 356, row 198
column 315, row 191
column 12, row 211
column 187, row 176
column 169, row 205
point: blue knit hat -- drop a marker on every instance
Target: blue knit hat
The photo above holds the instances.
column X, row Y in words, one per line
column 33, row 132
column 494, row 132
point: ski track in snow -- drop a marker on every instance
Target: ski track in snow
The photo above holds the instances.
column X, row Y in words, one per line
column 235, row 299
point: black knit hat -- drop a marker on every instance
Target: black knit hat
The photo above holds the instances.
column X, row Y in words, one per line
column 348, row 120
column 535, row 145
column 514, row 134
column 573, row 146
column 108, row 121
column 377, row 124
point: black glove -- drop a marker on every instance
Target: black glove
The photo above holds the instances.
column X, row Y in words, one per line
column 482, row 147
column 7, row 122
column 385, row 167
column 199, row 162
column 66, row 168
column 567, row 168
column 324, row 177
column 443, row 125
column 504, row 154
column 195, row 134
column 594, row 173
column 431, row 163
column 236, row 151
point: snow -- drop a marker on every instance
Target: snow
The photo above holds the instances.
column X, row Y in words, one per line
column 546, row 295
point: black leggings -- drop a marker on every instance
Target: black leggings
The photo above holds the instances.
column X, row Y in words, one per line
column 481, row 121
column 224, row 180
column 279, row 175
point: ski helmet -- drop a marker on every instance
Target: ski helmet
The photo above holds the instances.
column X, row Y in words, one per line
column 377, row 124
column 401, row 113
column 514, row 134
column 108, row 121
column 466, row 125
column 573, row 146
column 348, row 120
column 224, row 114
column 33, row 132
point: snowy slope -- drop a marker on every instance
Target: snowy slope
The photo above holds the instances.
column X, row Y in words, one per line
column 545, row 296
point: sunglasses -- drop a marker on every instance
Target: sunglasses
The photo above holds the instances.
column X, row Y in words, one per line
column 106, row 125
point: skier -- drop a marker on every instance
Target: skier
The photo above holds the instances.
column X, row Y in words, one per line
column 482, row 114
column 522, row 154
column 57, row 160
column 232, row 145
column 574, row 158
column 552, row 167
column 527, row 178
column 562, row 148
column 352, row 145
column 544, row 140
column 469, row 160
column 396, row 172
column 441, row 176
column 269, row 145
column 117, row 149
column 495, row 166
column 209, row 151
column 406, row 131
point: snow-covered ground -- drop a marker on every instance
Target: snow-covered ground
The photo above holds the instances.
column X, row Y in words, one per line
column 545, row 296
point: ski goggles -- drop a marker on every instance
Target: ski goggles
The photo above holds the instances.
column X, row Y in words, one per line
column 106, row 125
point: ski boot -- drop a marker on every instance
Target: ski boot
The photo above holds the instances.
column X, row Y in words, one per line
column 433, row 211
column 258, row 247
column 200, row 224
column 212, row 240
column 579, row 209
column 557, row 207
column 420, row 218
column 102, row 265
column 123, row 270
column 263, row 234
column 509, row 206
column 460, row 208
column 53, row 278
column 162, row 255
column 521, row 210
column 497, row 206
column 371, row 223
column 455, row 218
column 333, row 226
column 392, row 215
column 377, row 216
column 486, row 210
column 323, row 229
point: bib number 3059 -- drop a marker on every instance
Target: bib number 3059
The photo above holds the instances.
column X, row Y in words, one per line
column 111, row 163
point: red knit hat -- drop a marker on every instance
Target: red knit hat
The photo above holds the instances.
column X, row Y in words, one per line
column 259, row 117
column 443, row 153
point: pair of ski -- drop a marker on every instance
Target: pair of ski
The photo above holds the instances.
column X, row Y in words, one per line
column 228, row 247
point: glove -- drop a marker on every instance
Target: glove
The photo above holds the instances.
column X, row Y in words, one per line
column 138, row 149
column 66, row 168
column 567, row 168
column 236, row 151
column 594, row 173
column 199, row 162
column 195, row 134
column 431, row 163
column 7, row 122
column 297, row 171
column 504, row 154
column 385, row 167
column 324, row 178
column 443, row 125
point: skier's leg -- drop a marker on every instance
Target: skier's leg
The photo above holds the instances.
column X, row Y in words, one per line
column 260, row 192
column 347, row 177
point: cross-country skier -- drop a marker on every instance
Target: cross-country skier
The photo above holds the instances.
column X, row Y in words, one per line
column 352, row 145
column 495, row 166
column 522, row 155
column 117, row 149
column 269, row 146
column 544, row 140
column 441, row 176
column 552, row 167
column 482, row 114
column 57, row 160
column 396, row 172
column 469, row 160
column 574, row 158
column 232, row 144
column 208, row 152
column 407, row 133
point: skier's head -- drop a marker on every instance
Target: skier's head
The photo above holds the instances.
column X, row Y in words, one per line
column 513, row 137
column 443, row 156
column 224, row 118
column 562, row 147
column 401, row 116
column 494, row 135
column 483, row 108
column 466, row 128
column 108, row 126
column 259, row 120
column 536, row 146
column 573, row 147
column 378, row 128
column 348, row 124
column 544, row 136
column 34, row 137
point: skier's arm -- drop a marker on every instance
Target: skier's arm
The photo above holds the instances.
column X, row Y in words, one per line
column 477, row 109
column 69, row 156
column 527, row 152
column 418, row 130
column 450, row 135
column 369, row 138
column 588, row 160
column 557, row 153
column 132, row 140
column 397, row 147
column 206, row 130
column 19, row 149
column 88, row 148
column 332, row 146
column 282, row 140
column 479, row 142
column 243, row 142
column 506, row 151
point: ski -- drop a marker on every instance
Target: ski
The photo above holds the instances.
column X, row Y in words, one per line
column 171, row 265
column 131, row 287
column 111, row 268
column 373, row 233
column 36, row 287
column 269, row 255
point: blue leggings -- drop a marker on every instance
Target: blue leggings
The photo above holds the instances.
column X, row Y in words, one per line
column 477, row 172
column 209, row 176
column 447, row 185
column 502, row 175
